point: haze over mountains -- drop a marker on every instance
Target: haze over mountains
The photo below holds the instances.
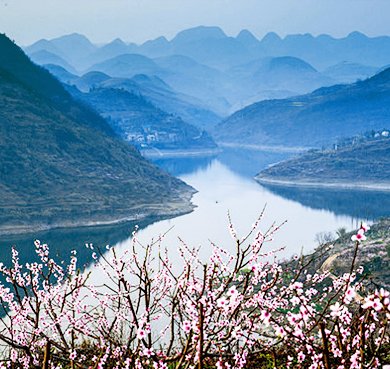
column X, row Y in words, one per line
column 141, row 123
column 312, row 120
column 224, row 74
column 297, row 92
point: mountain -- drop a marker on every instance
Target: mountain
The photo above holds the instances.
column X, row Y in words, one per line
column 350, row 72
column 324, row 51
column 155, row 48
column 126, row 65
column 76, row 47
column 184, row 74
column 280, row 71
column 62, row 164
column 277, row 77
column 247, row 39
column 142, row 124
column 208, row 85
column 14, row 61
column 210, row 46
column 272, row 45
column 197, row 34
column 157, row 92
column 44, row 57
column 44, row 45
column 61, row 73
column 321, row 117
column 288, row 66
column 111, row 50
column 363, row 164
column 90, row 80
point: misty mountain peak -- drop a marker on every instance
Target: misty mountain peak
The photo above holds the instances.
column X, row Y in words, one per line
column 118, row 41
column 247, row 38
column 198, row 33
column 159, row 42
column 72, row 38
column 357, row 35
column 289, row 62
column 74, row 45
column 271, row 38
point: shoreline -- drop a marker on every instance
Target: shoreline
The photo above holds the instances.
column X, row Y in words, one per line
column 293, row 150
column 155, row 153
column 34, row 228
column 368, row 186
column 167, row 210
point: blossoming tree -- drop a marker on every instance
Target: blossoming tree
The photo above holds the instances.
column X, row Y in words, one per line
column 236, row 310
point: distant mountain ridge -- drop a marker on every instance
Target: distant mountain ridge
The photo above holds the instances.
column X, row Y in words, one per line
column 226, row 91
column 311, row 120
column 62, row 164
column 152, row 88
column 321, row 51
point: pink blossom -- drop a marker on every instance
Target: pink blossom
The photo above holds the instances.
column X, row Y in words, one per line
column 359, row 236
column 148, row 352
column 186, row 326
column 377, row 305
column 350, row 294
column 365, row 227
column 301, row 357
column 141, row 334
column 337, row 310
column 222, row 302
column 279, row 331
column 384, row 293
column 295, row 300
column 265, row 317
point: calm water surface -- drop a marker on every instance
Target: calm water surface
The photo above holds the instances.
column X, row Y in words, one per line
column 222, row 192
column 225, row 186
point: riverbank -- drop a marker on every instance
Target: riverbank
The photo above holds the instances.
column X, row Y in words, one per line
column 369, row 186
column 359, row 166
column 278, row 149
column 155, row 153
column 169, row 209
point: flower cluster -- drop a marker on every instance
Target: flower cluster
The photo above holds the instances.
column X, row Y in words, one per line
column 360, row 234
column 233, row 311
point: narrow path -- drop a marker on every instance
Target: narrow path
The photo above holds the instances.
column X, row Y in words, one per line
column 326, row 265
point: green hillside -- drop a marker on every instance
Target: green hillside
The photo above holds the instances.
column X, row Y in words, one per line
column 366, row 164
column 311, row 120
column 143, row 124
column 62, row 164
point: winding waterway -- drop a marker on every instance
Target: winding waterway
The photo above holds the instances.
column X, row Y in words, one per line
column 225, row 186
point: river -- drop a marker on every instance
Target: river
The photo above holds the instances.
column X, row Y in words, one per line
column 225, row 186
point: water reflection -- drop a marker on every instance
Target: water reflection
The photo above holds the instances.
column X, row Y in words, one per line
column 63, row 240
column 358, row 204
column 225, row 184
column 223, row 191
column 245, row 162
column 249, row 162
column 183, row 165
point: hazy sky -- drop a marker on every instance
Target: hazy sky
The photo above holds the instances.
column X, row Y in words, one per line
column 101, row 21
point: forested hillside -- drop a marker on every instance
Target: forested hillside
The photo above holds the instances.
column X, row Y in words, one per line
column 62, row 163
